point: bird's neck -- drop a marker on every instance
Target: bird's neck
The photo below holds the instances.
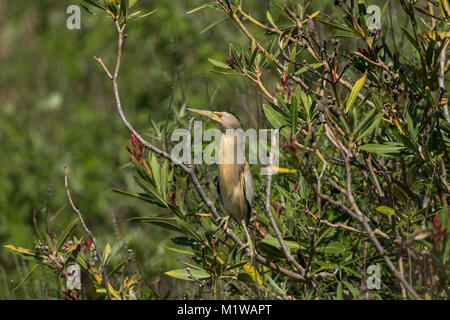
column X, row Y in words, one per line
column 232, row 149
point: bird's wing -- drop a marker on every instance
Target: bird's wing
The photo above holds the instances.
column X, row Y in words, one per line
column 248, row 184
column 218, row 189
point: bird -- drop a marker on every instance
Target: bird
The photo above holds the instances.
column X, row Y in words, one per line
column 235, row 182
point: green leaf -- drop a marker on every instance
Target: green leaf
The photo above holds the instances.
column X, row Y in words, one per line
column 428, row 14
column 183, row 241
column 339, row 291
column 141, row 196
column 66, row 233
column 411, row 129
column 294, row 115
column 270, row 19
column 106, row 254
column 272, row 64
column 254, row 53
column 352, row 289
column 124, row 8
column 212, row 25
column 385, row 210
column 366, row 129
column 353, row 272
column 304, row 69
column 148, row 13
column 160, row 222
column 292, row 245
column 334, row 247
column 276, row 119
column 27, row 277
column 383, row 149
column 191, row 275
column 219, row 64
column 306, row 101
column 116, row 268
column 87, row 9
column 154, row 165
column 189, row 229
column 164, row 178
column 410, row 37
column 180, row 251
column 95, row 4
column 337, row 26
column 355, row 91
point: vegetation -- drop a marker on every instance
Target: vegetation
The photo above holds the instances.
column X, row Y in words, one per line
column 362, row 183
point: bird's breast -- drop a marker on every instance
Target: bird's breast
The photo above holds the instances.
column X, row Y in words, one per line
column 231, row 182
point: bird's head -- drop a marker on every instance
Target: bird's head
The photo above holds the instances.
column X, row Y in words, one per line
column 227, row 120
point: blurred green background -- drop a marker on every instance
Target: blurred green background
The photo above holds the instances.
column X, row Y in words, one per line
column 57, row 109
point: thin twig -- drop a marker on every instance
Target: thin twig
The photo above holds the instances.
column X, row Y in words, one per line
column 78, row 212
column 441, row 78
column 190, row 171
column 274, row 225
column 372, row 237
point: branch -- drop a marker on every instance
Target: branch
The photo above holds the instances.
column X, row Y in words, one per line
column 372, row 237
column 284, row 248
column 441, row 78
column 409, row 9
column 78, row 212
column 187, row 169
column 236, row 19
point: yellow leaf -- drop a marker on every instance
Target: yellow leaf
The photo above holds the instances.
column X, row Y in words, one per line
column 282, row 170
column 355, row 91
column 20, row 250
column 196, row 9
column 74, row 246
column 96, row 274
column 436, row 35
column 202, row 214
column 106, row 254
column 112, row 291
column 312, row 16
column 129, row 282
column 444, row 8
column 253, row 273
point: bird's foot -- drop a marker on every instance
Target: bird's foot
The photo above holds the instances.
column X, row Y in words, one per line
column 248, row 244
column 223, row 222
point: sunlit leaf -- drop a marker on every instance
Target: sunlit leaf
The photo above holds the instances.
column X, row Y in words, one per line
column 191, row 275
column 355, row 91
column 253, row 273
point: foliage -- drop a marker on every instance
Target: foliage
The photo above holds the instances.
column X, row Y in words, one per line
column 56, row 110
column 365, row 139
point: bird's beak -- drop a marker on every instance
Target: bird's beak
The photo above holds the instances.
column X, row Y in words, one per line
column 210, row 114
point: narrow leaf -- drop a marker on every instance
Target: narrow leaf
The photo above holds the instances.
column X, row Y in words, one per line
column 355, row 91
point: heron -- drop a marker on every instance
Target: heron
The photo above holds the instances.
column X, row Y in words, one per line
column 235, row 183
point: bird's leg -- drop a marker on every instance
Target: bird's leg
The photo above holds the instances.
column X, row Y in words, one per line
column 249, row 243
column 223, row 222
